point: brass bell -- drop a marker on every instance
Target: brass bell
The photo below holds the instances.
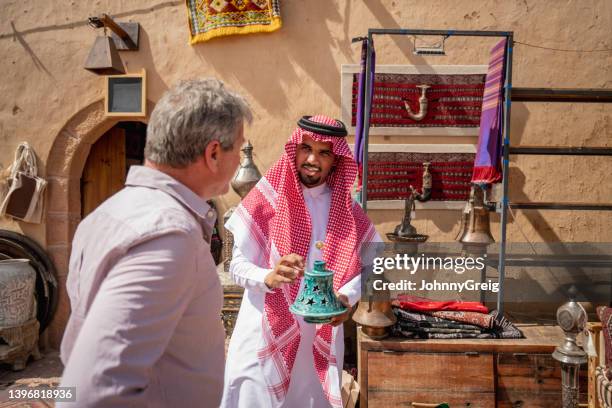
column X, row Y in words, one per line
column 375, row 314
column 477, row 234
column 103, row 58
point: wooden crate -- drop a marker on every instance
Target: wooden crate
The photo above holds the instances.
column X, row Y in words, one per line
column 398, row 372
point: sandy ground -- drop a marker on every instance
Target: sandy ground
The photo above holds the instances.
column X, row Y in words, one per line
column 44, row 372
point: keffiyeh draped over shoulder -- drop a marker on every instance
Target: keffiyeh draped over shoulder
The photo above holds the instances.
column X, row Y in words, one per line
column 276, row 223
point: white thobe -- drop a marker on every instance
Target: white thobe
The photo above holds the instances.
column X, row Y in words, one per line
column 244, row 384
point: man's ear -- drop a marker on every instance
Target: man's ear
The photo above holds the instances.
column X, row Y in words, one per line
column 211, row 155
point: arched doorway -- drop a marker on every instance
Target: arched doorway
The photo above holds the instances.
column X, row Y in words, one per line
column 64, row 169
column 108, row 163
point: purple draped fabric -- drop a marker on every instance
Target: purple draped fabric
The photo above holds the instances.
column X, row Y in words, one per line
column 361, row 102
column 487, row 165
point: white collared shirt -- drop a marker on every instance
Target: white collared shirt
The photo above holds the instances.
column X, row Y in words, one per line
column 145, row 328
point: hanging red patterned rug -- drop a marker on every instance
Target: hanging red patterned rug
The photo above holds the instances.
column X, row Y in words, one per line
column 391, row 174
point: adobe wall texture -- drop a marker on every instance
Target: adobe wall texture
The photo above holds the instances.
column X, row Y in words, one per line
column 49, row 100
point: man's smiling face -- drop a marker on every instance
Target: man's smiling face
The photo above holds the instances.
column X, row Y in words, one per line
column 314, row 161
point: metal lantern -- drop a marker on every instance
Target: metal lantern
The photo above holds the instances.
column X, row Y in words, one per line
column 316, row 302
column 103, row 58
column 572, row 318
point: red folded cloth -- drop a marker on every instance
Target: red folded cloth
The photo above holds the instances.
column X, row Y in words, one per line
column 419, row 304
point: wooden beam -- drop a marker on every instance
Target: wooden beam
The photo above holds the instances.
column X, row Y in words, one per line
column 562, row 206
column 561, row 150
column 561, row 95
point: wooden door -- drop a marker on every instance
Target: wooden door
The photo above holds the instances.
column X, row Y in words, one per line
column 104, row 172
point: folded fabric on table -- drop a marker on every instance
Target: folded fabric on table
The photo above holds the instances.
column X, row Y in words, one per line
column 415, row 319
column 439, row 330
column 504, row 328
column 412, row 334
column 419, row 304
column 420, row 325
column 478, row 319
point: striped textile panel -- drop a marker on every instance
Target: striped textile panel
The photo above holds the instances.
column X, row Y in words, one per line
column 454, row 100
column 391, row 174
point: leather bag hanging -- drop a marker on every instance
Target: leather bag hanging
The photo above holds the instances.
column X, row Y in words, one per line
column 24, row 197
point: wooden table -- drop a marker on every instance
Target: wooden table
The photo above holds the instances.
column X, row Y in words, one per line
column 399, row 372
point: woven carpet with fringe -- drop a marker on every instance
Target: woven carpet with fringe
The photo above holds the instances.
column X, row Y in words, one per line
column 215, row 18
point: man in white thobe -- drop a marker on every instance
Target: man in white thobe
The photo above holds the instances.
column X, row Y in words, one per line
column 276, row 359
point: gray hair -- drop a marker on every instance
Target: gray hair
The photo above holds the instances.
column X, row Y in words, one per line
column 190, row 116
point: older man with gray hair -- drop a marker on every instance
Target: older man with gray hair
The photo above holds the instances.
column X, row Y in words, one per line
column 145, row 328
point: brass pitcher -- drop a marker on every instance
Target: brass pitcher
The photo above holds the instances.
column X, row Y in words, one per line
column 245, row 179
column 374, row 314
column 247, row 175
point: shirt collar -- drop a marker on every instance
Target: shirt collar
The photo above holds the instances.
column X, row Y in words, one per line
column 315, row 192
column 143, row 176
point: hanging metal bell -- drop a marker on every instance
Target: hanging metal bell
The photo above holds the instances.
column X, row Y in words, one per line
column 477, row 235
column 316, row 302
column 103, row 58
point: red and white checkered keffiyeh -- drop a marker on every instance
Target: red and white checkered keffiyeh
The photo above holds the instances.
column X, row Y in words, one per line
column 278, row 223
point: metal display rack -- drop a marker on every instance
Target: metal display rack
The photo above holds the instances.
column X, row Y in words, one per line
column 509, row 94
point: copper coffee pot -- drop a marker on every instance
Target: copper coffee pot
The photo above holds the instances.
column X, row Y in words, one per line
column 375, row 314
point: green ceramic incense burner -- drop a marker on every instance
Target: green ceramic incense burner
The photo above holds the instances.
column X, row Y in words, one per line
column 316, row 302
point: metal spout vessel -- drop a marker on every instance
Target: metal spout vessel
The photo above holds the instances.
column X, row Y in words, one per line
column 247, row 175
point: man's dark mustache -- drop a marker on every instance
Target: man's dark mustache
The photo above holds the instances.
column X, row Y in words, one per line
column 307, row 166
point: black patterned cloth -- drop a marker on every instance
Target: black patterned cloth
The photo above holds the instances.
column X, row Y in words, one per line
column 419, row 325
